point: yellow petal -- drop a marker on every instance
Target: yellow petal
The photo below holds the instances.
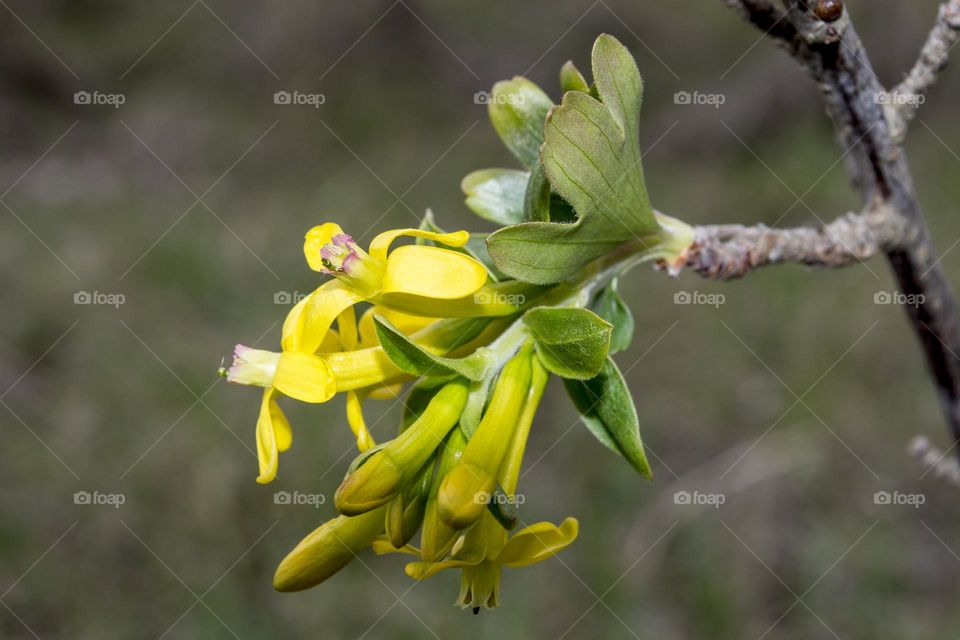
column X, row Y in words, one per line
column 273, row 435
column 347, row 324
column 289, row 333
column 281, row 426
column 331, row 340
column 314, row 241
column 382, row 546
column 357, row 424
column 307, row 326
column 432, row 272
column 331, row 343
column 538, row 542
column 381, row 244
column 407, row 323
column 423, row 570
column 304, row 377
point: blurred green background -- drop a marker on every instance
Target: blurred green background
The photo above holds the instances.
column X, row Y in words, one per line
column 191, row 198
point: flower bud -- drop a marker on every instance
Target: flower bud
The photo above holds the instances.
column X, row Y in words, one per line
column 464, row 494
column 381, row 477
column 373, row 484
column 465, row 490
column 403, row 519
column 327, row 550
column 405, row 512
column 438, row 536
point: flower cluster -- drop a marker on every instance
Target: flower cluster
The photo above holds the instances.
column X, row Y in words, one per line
column 477, row 324
column 431, row 475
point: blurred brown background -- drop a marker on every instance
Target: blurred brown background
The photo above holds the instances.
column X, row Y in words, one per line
column 190, row 200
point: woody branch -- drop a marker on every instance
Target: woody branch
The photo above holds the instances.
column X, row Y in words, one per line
column 870, row 126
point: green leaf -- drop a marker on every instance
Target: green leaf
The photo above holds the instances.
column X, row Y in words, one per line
column 571, row 79
column 536, row 200
column 476, row 248
column 606, row 408
column 611, row 307
column 496, row 194
column 591, row 156
column 416, row 360
column 572, row 343
column 517, row 110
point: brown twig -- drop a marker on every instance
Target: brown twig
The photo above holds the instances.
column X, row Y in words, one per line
column 832, row 52
column 725, row 252
column 905, row 99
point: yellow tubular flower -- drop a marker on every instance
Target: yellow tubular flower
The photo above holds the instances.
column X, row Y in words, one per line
column 485, row 550
column 327, row 550
column 367, row 371
column 464, row 491
column 302, row 376
column 413, row 278
column 381, row 476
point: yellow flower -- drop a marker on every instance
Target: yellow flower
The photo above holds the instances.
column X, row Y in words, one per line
column 302, row 376
column 485, row 550
column 358, row 367
column 416, row 279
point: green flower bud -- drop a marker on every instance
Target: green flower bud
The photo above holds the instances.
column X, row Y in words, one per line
column 465, row 490
column 405, row 512
column 438, row 537
column 327, row 550
column 377, row 481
